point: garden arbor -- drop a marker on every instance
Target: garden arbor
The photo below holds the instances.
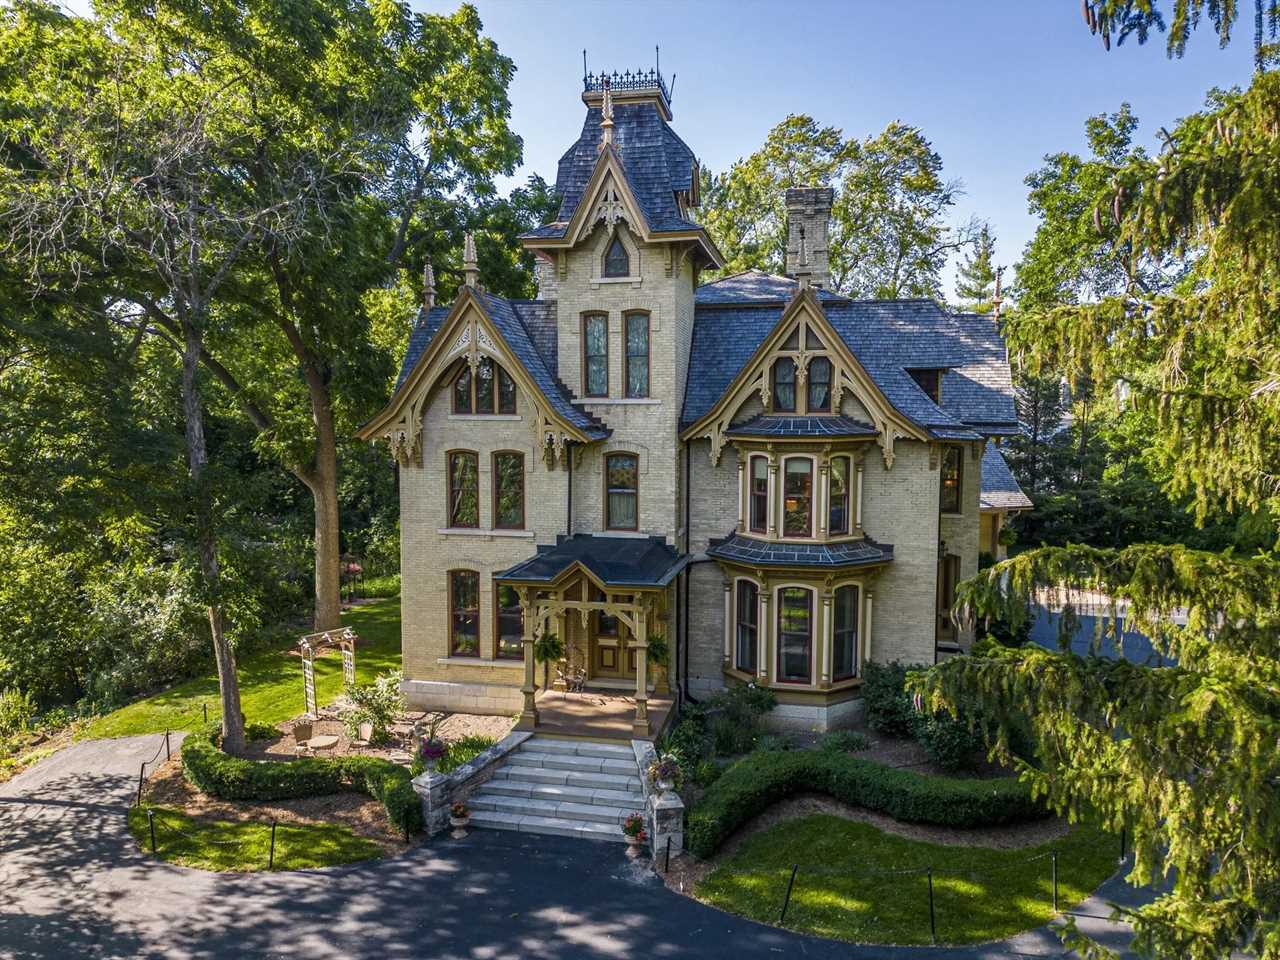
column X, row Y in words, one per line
column 317, row 644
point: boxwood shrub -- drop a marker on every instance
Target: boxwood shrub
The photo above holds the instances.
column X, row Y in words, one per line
column 762, row 779
column 235, row 778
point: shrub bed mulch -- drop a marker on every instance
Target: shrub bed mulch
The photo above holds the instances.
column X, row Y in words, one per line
column 362, row 815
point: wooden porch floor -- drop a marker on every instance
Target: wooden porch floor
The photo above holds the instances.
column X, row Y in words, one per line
column 597, row 715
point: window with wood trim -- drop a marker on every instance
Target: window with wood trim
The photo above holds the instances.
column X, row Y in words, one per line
column 819, row 385
column 508, row 623
column 930, row 381
column 844, row 633
column 797, row 498
column 617, row 262
column 784, row 385
column 952, row 479
column 795, row 635
column 464, row 488
column 759, row 495
column 464, row 613
column 838, row 506
column 747, row 626
column 636, row 372
column 508, row 490
column 622, row 491
column 606, row 623
column 948, row 580
column 491, row 390
column 595, row 355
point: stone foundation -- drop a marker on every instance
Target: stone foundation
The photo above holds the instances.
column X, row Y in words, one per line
column 479, row 698
column 819, row 718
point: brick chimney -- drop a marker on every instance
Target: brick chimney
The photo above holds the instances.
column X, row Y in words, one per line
column 808, row 211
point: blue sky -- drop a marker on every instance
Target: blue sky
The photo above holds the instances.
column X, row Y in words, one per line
column 995, row 86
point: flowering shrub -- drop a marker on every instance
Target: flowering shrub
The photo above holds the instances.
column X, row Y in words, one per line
column 665, row 768
column 633, row 827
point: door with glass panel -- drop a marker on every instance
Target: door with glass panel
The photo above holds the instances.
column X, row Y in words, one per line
column 610, row 657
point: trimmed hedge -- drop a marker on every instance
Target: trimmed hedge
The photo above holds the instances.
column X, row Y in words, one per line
column 762, row 779
column 235, row 778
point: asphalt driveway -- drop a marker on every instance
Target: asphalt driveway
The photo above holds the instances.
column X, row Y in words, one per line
column 75, row 885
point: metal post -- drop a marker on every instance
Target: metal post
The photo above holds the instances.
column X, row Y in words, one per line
column 406, row 829
column 787, row 899
column 206, row 712
column 933, row 926
column 142, row 772
column 151, row 822
column 667, row 865
column 1122, row 843
column 1053, row 860
column 167, row 754
column 271, row 857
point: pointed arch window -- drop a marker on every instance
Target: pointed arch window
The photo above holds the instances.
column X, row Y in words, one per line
column 617, row 262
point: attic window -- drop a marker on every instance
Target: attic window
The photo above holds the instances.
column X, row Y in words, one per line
column 617, row 262
column 930, row 381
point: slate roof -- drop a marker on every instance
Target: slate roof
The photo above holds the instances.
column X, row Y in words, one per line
column 529, row 328
column 733, row 316
column 656, row 162
column 783, row 426
column 616, row 561
column 1000, row 490
column 771, row 553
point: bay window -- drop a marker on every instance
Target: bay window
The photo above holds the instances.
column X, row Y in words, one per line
column 838, row 508
column 844, row 634
column 747, row 606
column 797, row 503
column 795, row 635
column 759, row 517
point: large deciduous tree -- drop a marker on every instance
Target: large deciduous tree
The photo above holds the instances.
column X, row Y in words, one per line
column 1184, row 756
column 889, row 236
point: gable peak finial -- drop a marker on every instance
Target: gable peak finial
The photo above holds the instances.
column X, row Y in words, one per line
column 470, row 268
column 606, row 116
column 428, row 286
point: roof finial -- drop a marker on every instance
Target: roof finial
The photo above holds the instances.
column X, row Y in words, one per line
column 428, row 286
column 470, row 268
column 606, row 114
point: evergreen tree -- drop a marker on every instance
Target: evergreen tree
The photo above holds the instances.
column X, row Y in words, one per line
column 976, row 276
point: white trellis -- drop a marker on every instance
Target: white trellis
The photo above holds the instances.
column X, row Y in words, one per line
column 316, row 644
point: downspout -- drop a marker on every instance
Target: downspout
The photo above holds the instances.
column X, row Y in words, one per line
column 684, row 606
column 568, row 506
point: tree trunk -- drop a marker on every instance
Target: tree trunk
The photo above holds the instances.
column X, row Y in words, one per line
column 324, row 492
column 197, row 461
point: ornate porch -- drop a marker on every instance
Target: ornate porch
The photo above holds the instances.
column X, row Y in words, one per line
column 607, row 601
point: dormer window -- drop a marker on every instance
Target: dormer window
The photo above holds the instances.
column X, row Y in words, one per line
column 617, row 262
column 930, row 381
column 784, row 386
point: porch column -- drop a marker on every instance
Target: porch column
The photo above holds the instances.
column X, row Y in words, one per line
column 640, row 726
column 857, row 508
column 765, row 629
column 529, row 715
column 824, row 495
column 728, row 621
column 825, row 639
column 742, row 494
column 773, row 494
column 866, row 632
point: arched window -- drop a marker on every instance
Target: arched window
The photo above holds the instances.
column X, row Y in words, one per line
column 838, row 509
column 747, row 609
column 595, row 355
column 635, row 375
column 464, row 613
column 759, row 519
column 819, row 385
column 490, row 391
column 797, row 500
column 622, row 481
column 795, row 635
column 617, row 262
column 464, row 489
column 784, row 385
column 844, row 634
column 508, row 490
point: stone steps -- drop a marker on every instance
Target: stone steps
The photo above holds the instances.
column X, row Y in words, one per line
column 565, row 787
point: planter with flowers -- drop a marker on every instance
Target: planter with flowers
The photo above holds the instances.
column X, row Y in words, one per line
column 459, row 817
column 664, row 774
column 431, row 751
column 633, row 830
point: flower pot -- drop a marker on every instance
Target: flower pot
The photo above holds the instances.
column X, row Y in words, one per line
column 459, row 825
column 366, row 732
column 633, row 846
column 665, row 786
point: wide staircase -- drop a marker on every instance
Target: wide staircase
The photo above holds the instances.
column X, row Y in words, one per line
column 573, row 788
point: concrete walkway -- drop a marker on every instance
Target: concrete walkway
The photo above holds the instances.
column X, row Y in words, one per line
column 75, row 885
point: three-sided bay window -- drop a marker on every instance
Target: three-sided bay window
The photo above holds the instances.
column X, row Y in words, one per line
column 464, row 613
column 622, row 481
column 595, row 355
column 464, row 489
column 508, row 623
column 508, row 490
column 636, row 374
column 759, row 520
column 797, row 502
column 795, row 635
column 838, row 497
column 747, row 610
column 844, row 634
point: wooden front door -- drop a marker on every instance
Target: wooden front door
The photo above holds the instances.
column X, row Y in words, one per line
column 610, row 657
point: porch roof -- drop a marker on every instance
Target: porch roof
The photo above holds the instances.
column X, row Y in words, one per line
column 614, row 561
column 772, row 553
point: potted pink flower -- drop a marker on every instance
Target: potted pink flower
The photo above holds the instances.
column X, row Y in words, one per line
column 431, row 751
column 633, row 830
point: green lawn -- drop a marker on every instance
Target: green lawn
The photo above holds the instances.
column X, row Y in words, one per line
column 246, row 847
column 270, row 681
column 979, row 894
